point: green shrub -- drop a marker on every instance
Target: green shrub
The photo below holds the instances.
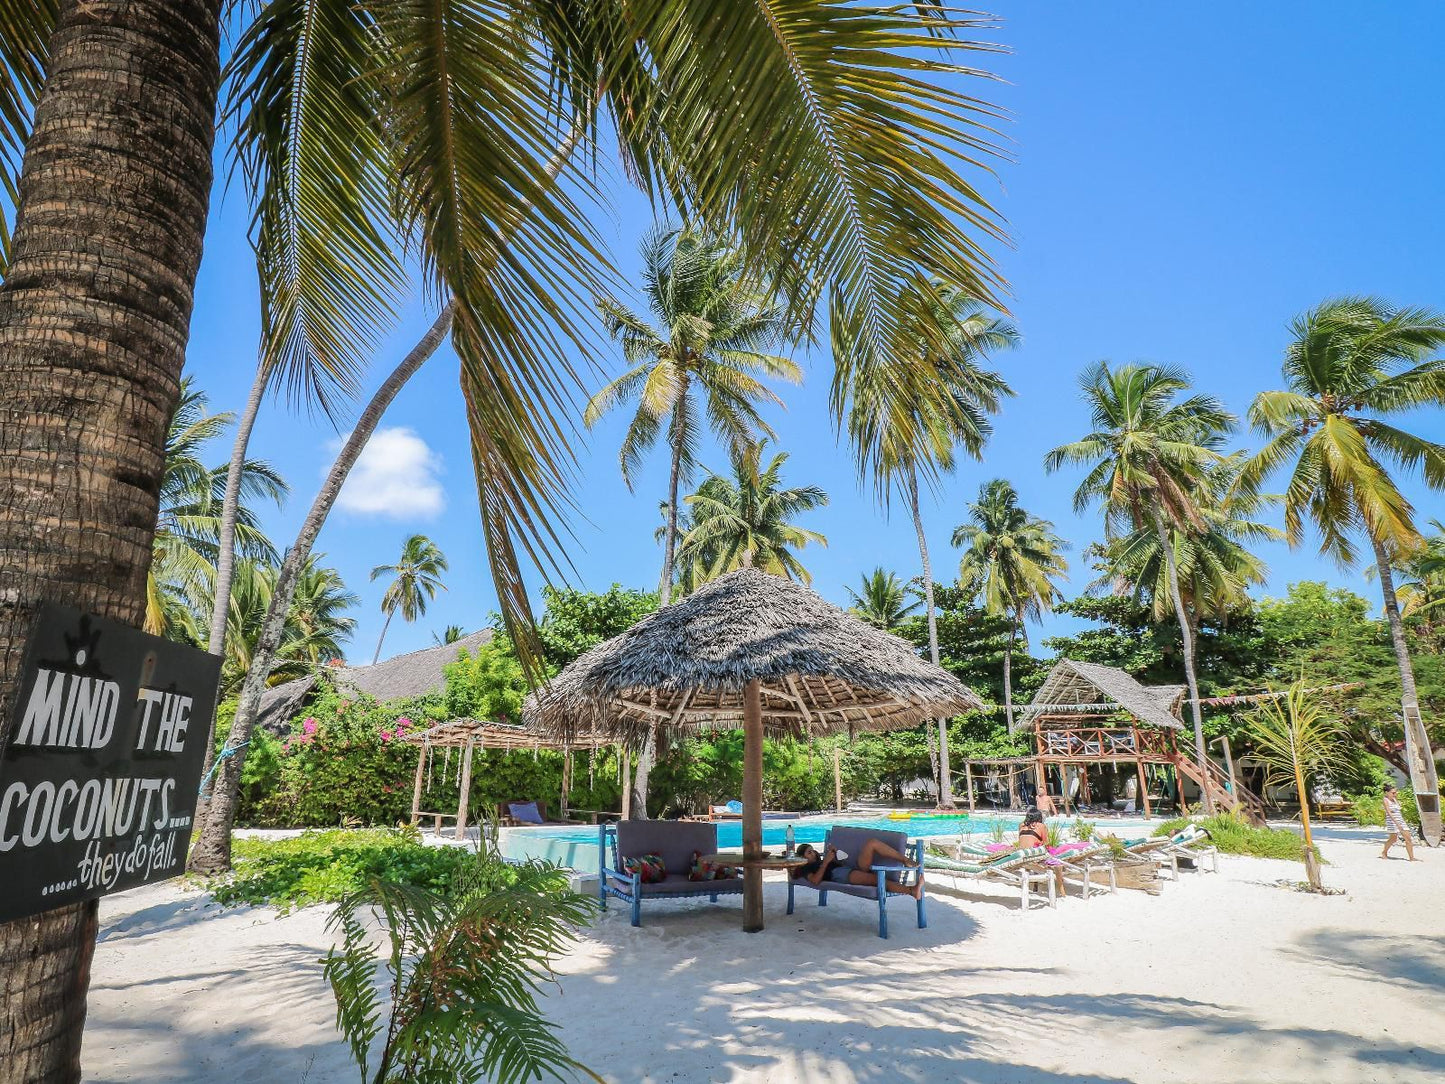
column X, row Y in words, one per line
column 1369, row 810
column 1083, row 830
column 326, row 867
column 1232, row 834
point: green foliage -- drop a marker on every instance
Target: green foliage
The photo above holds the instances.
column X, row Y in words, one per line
column 489, row 684
column 578, row 620
column 462, row 970
column 1369, row 811
column 1083, row 830
column 326, row 867
column 1232, row 834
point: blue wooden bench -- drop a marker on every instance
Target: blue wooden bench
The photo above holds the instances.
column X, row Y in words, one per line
column 675, row 842
column 852, row 840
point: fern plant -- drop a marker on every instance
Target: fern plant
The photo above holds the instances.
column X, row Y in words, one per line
column 462, row 974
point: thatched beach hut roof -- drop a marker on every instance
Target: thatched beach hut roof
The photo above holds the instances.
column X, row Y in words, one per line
column 415, row 673
column 820, row 669
column 1087, row 688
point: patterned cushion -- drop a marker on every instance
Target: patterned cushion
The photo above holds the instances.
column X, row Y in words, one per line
column 649, row 868
column 706, row 871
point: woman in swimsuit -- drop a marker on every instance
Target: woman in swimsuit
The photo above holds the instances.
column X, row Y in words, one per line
column 1033, row 832
column 856, row 869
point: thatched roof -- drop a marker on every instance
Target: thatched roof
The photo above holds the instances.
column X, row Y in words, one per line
column 400, row 677
column 820, row 669
column 1087, row 688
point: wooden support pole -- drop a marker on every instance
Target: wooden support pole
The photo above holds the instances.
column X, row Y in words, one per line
column 968, row 783
column 421, row 755
column 752, row 805
column 626, row 758
column 466, row 787
column 1041, row 778
column 566, row 780
column 837, row 779
column 1229, row 765
column 1143, row 787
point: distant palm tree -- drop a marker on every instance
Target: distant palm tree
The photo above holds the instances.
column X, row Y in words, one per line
column 716, row 325
column 316, row 627
column 1215, row 565
column 907, row 418
column 1148, row 456
column 1010, row 562
column 746, row 521
column 1422, row 590
column 416, row 578
column 449, row 635
column 883, row 600
column 1353, row 362
column 188, row 524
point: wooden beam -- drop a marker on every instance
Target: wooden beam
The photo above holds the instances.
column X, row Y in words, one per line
column 466, row 787
column 752, row 805
column 837, row 779
column 1143, row 787
column 626, row 758
column 421, row 755
column 968, row 782
column 566, row 780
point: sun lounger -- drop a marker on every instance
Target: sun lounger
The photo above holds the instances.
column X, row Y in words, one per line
column 852, row 840
column 1026, row 870
column 528, row 811
column 1087, row 861
column 1192, row 842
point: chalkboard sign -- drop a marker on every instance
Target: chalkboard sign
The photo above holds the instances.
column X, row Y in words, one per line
column 100, row 770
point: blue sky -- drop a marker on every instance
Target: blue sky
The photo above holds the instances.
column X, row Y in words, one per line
column 1186, row 178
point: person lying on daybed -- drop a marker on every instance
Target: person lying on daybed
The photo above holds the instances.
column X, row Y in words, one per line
column 845, row 869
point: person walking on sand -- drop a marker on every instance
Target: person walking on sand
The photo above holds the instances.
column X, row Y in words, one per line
column 1395, row 824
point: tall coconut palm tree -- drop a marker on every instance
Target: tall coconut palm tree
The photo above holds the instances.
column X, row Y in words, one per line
column 746, row 521
column 95, row 308
column 1149, row 455
column 1353, row 363
column 416, row 578
column 883, row 600
column 362, row 123
column 715, row 326
column 908, row 417
column 187, row 539
column 1010, row 562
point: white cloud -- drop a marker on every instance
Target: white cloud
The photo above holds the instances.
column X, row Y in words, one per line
column 395, row 476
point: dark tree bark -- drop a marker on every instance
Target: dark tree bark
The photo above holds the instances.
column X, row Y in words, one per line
column 940, row 758
column 94, row 316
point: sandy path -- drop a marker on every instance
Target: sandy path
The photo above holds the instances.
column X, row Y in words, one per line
column 1223, row 978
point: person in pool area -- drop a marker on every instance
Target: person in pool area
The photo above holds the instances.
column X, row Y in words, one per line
column 1033, row 832
column 1395, row 825
column 855, row 869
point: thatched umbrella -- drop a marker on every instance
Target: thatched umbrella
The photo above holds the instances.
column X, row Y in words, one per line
column 754, row 649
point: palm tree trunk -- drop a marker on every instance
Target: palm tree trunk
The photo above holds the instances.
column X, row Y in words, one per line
column 1417, row 744
column 212, row 852
column 384, row 626
column 1008, row 695
column 648, row 753
column 940, row 765
column 226, row 561
column 1186, row 632
column 95, row 311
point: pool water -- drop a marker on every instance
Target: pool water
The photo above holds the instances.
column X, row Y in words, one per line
column 576, row 847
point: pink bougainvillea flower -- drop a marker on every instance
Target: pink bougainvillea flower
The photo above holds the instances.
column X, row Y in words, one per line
column 309, row 726
column 387, row 735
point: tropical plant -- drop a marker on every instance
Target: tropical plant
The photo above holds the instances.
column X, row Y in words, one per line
column 1010, row 562
column 1148, row 456
column 360, row 124
column 883, row 600
column 746, row 521
column 416, row 578
column 462, row 973
column 1353, row 362
column 716, row 326
column 1295, row 739
column 1421, row 590
column 907, row 417
column 449, row 635
column 187, row 539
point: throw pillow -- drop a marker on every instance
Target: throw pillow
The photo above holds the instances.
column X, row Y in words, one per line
column 650, row 868
column 706, row 871
column 525, row 812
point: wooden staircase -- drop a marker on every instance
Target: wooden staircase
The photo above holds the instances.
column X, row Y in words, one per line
column 1239, row 799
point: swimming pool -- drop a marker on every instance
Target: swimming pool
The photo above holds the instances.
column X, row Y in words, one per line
column 576, row 846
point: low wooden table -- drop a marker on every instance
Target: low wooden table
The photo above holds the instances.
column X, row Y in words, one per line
column 767, row 861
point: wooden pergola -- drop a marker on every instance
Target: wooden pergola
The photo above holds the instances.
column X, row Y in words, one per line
column 469, row 735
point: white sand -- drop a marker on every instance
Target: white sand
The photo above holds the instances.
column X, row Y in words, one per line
column 1220, row 978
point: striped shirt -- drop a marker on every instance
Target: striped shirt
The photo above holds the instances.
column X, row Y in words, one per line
column 1394, row 819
